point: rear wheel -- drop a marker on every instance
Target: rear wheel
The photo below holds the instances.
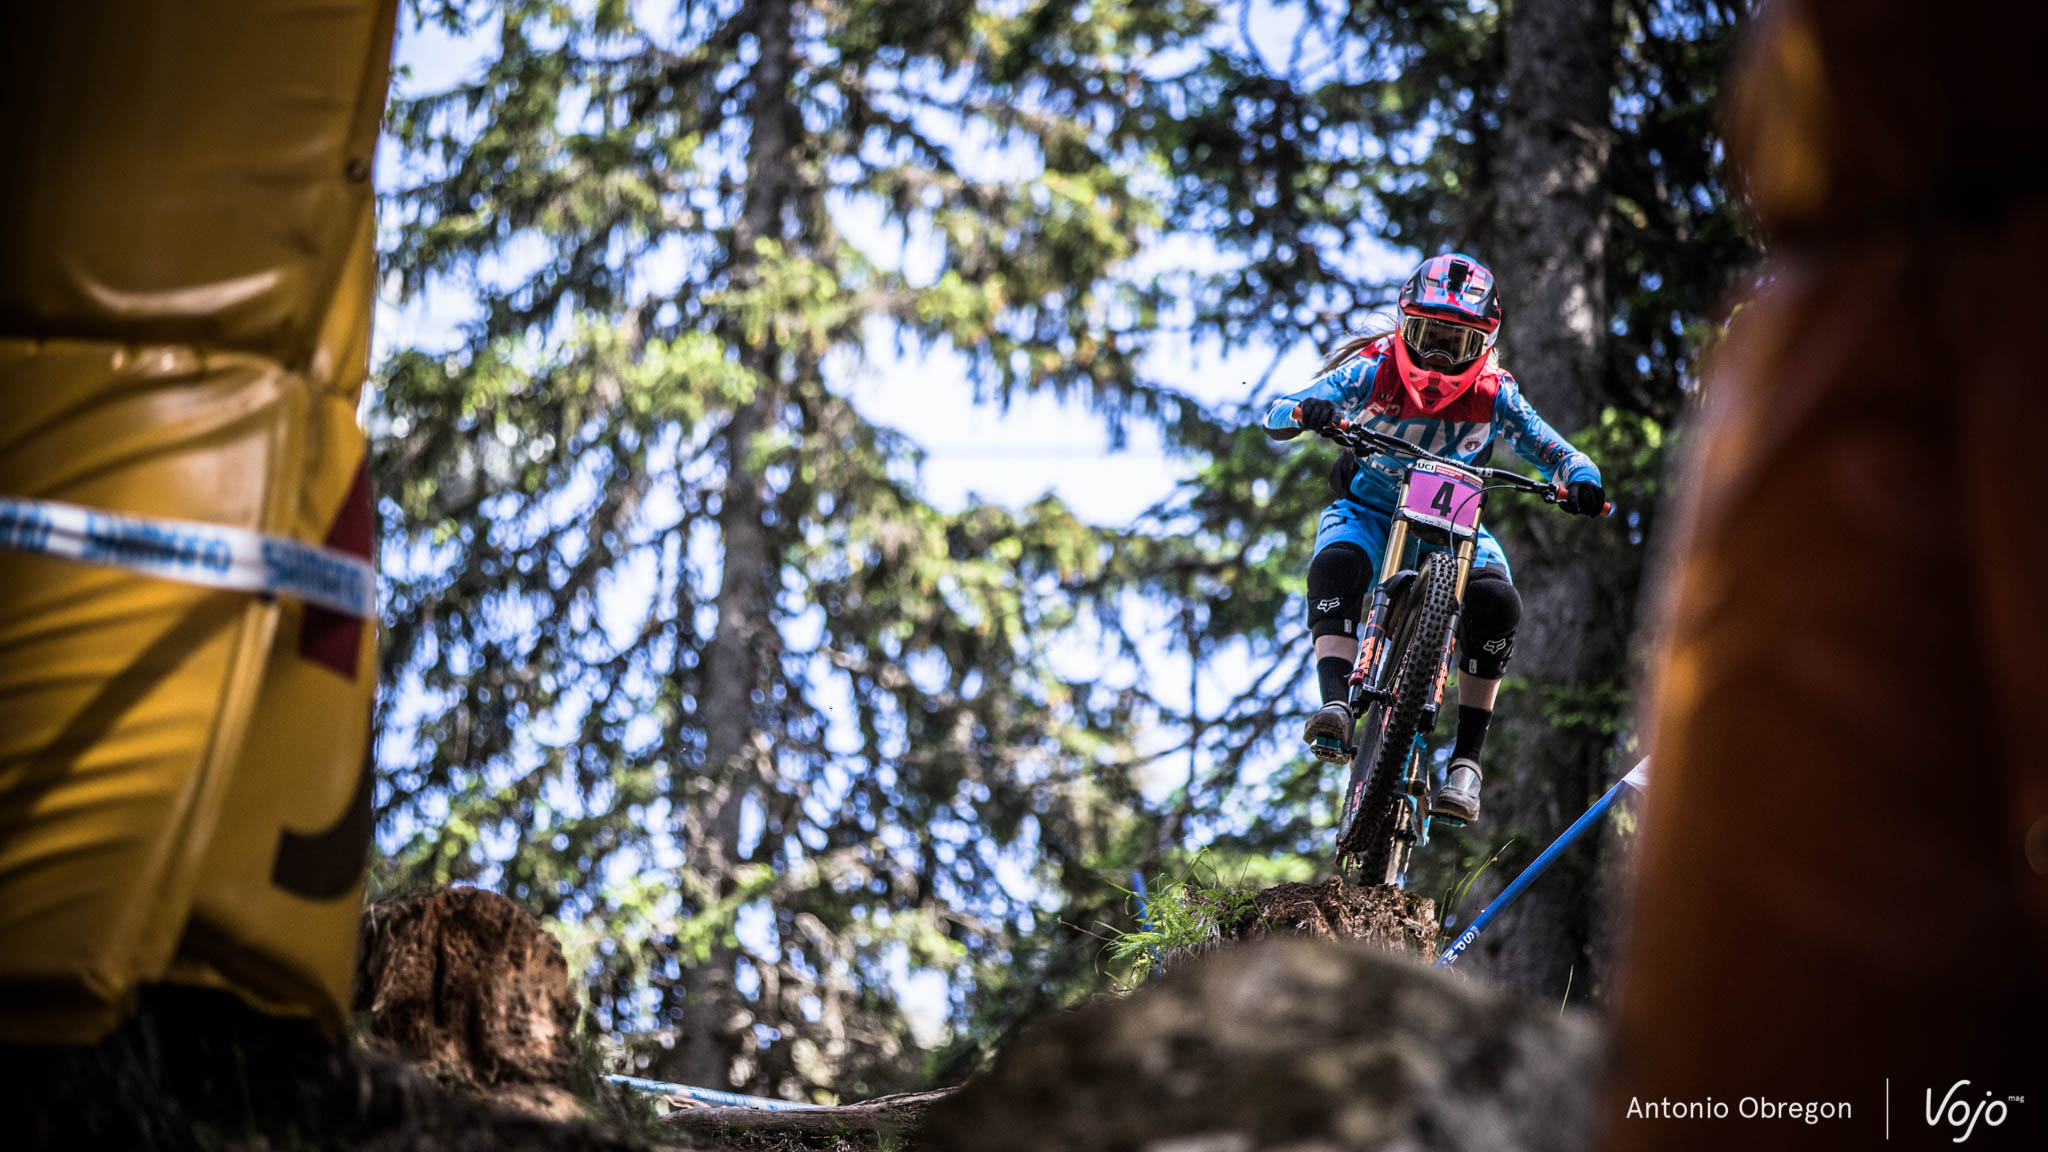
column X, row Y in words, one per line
column 1366, row 829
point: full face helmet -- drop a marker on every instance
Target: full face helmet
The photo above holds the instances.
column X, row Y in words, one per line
column 1450, row 316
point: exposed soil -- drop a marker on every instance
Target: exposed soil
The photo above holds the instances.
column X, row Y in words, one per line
column 198, row 1069
column 1333, row 910
column 470, row 1033
column 467, row 985
column 469, row 1043
column 1399, row 922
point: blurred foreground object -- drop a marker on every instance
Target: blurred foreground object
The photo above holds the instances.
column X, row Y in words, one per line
column 1288, row 1044
column 1844, row 878
column 185, row 299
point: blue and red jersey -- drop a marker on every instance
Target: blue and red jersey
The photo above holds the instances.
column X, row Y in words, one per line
column 1366, row 388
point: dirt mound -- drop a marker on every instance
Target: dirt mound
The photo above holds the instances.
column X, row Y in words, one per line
column 1386, row 918
column 467, row 985
column 1288, row 1045
column 1333, row 910
column 195, row 1068
column 462, row 990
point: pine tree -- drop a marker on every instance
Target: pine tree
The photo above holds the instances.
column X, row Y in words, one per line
column 1571, row 143
column 674, row 641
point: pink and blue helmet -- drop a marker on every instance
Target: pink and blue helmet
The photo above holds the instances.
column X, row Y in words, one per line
column 1450, row 316
column 1455, row 287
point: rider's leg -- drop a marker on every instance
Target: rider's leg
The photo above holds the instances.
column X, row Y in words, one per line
column 1335, row 654
column 1350, row 539
column 1486, row 639
column 1475, row 692
column 1336, row 591
column 1337, row 579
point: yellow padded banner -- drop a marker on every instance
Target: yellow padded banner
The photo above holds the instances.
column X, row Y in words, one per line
column 186, row 171
column 185, row 295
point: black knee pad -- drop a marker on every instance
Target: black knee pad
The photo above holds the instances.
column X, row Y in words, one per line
column 1486, row 631
column 1336, row 588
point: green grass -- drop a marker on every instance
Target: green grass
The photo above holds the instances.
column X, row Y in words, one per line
column 1183, row 916
column 1456, row 893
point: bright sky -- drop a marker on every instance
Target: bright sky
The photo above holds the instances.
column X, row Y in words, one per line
column 975, row 452
column 1009, row 457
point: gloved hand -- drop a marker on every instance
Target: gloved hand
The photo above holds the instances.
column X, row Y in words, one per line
column 1584, row 497
column 1314, row 414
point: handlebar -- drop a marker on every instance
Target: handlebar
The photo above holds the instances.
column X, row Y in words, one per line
column 1347, row 435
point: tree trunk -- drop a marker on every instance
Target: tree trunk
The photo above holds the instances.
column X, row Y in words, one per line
column 716, row 1023
column 1548, row 239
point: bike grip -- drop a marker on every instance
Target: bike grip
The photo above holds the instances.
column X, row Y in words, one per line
column 1339, row 424
column 1560, row 494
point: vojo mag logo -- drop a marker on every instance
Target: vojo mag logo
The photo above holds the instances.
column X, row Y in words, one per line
column 1963, row 1109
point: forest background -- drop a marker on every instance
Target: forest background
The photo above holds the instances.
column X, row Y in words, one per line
column 827, row 549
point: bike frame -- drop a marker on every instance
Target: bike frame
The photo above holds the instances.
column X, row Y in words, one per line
column 1444, row 522
column 1371, row 674
column 1367, row 675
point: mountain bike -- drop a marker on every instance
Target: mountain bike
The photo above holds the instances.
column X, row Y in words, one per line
column 1405, row 646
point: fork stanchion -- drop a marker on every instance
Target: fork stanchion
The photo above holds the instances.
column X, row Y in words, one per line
column 1637, row 778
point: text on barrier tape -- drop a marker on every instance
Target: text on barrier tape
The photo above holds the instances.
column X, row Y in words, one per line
column 209, row 555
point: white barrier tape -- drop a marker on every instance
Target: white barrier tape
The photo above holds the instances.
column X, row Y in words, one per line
column 209, row 555
column 710, row 1095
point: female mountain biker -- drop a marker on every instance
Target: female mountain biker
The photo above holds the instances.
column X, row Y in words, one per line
column 1435, row 382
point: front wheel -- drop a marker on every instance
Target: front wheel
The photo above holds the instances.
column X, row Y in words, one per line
column 1366, row 829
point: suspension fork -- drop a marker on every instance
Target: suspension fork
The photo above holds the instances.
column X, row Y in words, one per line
column 1368, row 683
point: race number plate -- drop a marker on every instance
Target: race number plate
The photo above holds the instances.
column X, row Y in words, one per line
column 1436, row 498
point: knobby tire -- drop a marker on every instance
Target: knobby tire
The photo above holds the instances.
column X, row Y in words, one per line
column 1417, row 651
column 1353, row 825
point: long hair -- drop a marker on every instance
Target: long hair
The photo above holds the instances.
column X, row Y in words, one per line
column 1378, row 325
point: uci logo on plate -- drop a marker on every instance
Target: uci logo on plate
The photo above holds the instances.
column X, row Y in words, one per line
column 1958, row 1112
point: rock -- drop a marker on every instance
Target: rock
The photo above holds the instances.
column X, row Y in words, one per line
column 1295, row 1045
column 466, row 984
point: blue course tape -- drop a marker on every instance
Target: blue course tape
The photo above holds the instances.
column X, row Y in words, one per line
column 1639, row 777
column 711, row 1095
column 209, row 555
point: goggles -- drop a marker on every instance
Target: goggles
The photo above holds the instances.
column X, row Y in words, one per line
column 1443, row 341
